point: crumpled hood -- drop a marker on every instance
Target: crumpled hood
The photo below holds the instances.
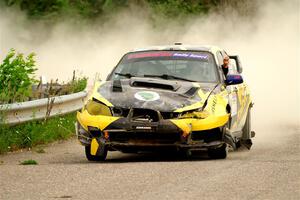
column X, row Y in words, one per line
column 152, row 93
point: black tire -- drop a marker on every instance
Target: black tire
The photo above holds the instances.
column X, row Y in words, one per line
column 247, row 127
column 218, row 153
column 129, row 151
column 101, row 156
column 246, row 137
column 184, row 154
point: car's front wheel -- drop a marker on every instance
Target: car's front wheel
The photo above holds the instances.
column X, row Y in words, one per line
column 100, row 156
column 218, row 153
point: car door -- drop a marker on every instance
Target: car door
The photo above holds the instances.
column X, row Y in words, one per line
column 232, row 93
column 240, row 98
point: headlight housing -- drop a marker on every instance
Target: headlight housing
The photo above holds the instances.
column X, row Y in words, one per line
column 95, row 107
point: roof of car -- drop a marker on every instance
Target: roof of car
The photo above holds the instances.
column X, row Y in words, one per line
column 181, row 47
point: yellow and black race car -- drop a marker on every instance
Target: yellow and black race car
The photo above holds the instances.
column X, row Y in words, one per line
column 168, row 97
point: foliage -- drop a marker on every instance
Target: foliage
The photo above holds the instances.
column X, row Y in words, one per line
column 78, row 84
column 55, row 9
column 36, row 132
column 29, row 162
column 16, row 77
column 90, row 9
column 18, row 83
column 177, row 8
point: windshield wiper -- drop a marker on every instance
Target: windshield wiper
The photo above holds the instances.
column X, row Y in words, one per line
column 127, row 75
column 167, row 77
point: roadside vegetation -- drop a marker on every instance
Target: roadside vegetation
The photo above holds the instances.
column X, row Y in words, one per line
column 18, row 84
column 34, row 133
column 16, row 77
column 102, row 10
column 18, row 81
column 29, row 162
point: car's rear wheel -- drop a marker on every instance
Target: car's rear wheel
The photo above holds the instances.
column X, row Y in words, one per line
column 100, row 156
column 247, row 126
column 218, row 153
column 246, row 138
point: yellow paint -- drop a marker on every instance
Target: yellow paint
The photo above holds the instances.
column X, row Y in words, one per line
column 99, row 121
column 201, row 124
column 220, row 106
column 196, row 114
column 244, row 100
column 210, row 122
column 94, row 146
column 95, row 94
column 95, row 108
column 202, row 95
column 100, row 98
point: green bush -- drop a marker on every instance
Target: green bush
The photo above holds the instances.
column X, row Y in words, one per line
column 78, row 84
column 56, row 9
column 16, row 77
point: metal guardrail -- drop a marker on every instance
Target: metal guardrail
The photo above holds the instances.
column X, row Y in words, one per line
column 37, row 109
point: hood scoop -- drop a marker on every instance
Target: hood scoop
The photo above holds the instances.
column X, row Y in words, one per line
column 154, row 83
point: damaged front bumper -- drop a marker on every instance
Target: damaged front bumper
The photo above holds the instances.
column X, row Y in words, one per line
column 118, row 133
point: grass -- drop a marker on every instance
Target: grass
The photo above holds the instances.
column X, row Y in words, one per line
column 33, row 133
column 40, row 151
column 29, row 162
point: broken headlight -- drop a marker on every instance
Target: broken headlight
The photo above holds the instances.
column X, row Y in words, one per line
column 199, row 114
column 95, row 107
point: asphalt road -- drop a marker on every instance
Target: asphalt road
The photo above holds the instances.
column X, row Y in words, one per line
column 270, row 170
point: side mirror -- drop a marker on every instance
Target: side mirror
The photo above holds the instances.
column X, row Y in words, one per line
column 233, row 79
column 238, row 63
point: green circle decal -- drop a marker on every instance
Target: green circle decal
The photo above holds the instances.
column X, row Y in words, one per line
column 147, row 96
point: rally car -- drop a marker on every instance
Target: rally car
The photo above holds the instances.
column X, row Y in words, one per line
column 168, row 97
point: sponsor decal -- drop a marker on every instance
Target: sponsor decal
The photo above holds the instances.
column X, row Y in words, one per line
column 144, row 127
column 191, row 55
column 168, row 54
column 147, row 96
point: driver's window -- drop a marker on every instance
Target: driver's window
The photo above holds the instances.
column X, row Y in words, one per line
column 232, row 64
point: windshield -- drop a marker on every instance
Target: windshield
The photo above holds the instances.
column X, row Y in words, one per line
column 182, row 65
